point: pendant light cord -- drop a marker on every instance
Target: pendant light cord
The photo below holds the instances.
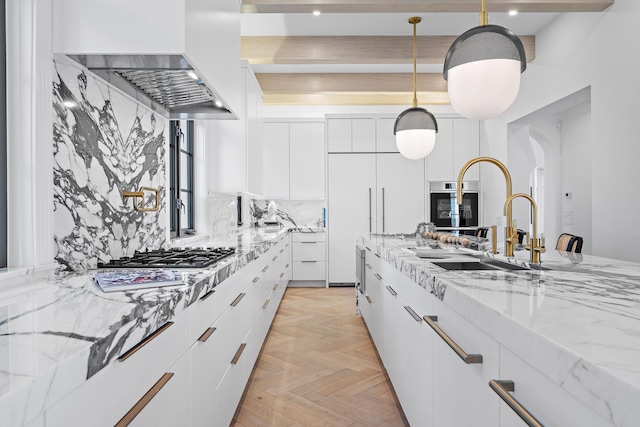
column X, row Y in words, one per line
column 484, row 16
column 415, row 67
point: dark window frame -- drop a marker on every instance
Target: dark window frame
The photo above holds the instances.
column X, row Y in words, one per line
column 3, row 138
column 180, row 206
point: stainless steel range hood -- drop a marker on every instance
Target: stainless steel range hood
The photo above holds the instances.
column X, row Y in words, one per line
column 167, row 84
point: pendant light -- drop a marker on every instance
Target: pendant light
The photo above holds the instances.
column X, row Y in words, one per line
column 483, row 68
column 415, row 128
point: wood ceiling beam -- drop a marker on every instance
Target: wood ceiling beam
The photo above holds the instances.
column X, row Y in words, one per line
column 351, row 88
column 416, row 6
column 352, row 49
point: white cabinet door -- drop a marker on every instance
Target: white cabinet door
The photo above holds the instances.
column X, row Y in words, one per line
column 306, row 143
column 440, row 161
column 385, row 139
column 548, row 402
column 350, row 209
column 363, row 135
column 171, row 406
column 276, row 160
column 466, row 136
column 400, row 193
column 253, row 129
column 462, row 396
column 339, row 135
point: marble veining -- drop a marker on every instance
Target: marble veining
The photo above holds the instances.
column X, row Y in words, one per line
column 104, row 144
column 291, row 213
column 576, row 321
column 67, row 330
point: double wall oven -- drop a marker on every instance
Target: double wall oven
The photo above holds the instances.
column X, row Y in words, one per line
column 443, row 205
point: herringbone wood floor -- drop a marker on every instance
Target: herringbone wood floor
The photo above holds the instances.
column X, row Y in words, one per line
column 318, row 367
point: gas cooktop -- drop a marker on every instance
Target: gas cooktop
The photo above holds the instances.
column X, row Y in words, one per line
column 171, row 258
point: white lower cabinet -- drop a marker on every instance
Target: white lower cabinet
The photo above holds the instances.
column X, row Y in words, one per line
column 308, row 258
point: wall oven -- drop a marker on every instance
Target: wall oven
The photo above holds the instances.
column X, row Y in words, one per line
column 443, row 205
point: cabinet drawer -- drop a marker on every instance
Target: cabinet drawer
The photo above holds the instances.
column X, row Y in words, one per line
column 309, row 270
column 308, row 251
column 309, row 237
column 124, row 382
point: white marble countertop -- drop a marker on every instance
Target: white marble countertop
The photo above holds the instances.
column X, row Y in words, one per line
column 578, row 322
column 62, row 329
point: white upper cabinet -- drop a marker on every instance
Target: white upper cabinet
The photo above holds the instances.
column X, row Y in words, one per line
column 466, row 146
column 275, row 167
column 206, row 33
column 385, row 139
column 306, row 154
column 339, row 135
column 440, row 161
column 363, row 135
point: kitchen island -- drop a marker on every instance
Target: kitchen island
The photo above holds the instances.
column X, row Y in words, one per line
column 568, row 333
column 63, row 334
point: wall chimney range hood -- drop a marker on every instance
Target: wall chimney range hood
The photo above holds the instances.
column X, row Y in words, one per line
column 168, row 84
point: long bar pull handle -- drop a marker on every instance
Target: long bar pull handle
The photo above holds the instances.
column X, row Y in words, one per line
column 502, row 389
column 369, row 266
column 383, row 228
column 369, row 299
column 236, row 357
column 467, row 358
column 266, row 268
column 313, row 243
column 140, row 405
column 281, row 275
column 266, row 304
column 274, row 287
column 238, row 299
column 379, row 277
column 207, row 295
column 274, row 258
column 255, row 279
column 144, row 342
column 369, row 209
column 391, row 291
column 204, row 337
column 412, row 313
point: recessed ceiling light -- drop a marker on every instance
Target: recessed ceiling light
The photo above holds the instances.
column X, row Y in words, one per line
column 69, row 104
column 513, row 12
column 192, row 74
column 316, row 13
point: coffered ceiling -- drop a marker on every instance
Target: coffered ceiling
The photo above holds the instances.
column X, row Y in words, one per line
column 360, row 52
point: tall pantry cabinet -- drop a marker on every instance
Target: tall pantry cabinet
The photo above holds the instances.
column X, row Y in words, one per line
column 371, row 187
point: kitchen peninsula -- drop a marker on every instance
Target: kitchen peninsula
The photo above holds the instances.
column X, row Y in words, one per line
column 566, row 335
column 69, row 348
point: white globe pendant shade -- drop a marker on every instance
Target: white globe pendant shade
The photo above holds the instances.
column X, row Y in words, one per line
column 415, row 130
column 483, row 68
column 415, row 144
column 483, row 90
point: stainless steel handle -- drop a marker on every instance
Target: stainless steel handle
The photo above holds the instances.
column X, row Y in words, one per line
column 207, row 295
column 144, row 342
column 369, row 209
column 467, row 358
column 144, row 401
column 266, row 268
column 383, row 209
column 274, row 258
column 308, row 261
column 309, row 242
column 391, row 291
column 368, row 299
column 281, row 275
column 204, row 337
column 286, row 266
column 274, row 287
column 369, row 266
column 255, row 280
column 379, row 277
column 236, row 356
column 281, row 250
column 502, row 389
column 238, row 299
column 266, row 304
column 413, row 313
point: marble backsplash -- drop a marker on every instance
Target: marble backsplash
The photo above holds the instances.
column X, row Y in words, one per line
column 290, row 213
column 104, row 143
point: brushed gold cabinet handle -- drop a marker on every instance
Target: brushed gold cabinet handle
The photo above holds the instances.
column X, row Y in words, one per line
column 369, row 299
column 207, row 295
column 286, row 266
column 139, row 406
column 275, row 287
column 467, row 358
column 281, row 250
column 204, row 337
column 255, row 279
column 144, row 342
column 502, row 389
column 379, row 277
column 412, row 313
column 236, row 357
column 391, row 291
column 274, row 258
column 238, row 299
column 266, row 304
column 265, row 269
column 281, row 275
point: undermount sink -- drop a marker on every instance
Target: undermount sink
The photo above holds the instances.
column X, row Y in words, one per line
column 436, row 253
column 477, row 265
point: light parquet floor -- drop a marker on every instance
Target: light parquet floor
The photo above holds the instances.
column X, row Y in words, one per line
column 318, row 367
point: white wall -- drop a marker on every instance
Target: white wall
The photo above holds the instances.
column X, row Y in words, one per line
column 573, row 52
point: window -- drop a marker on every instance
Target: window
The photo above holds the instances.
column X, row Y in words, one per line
column 181, row 178
column 3, row 139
